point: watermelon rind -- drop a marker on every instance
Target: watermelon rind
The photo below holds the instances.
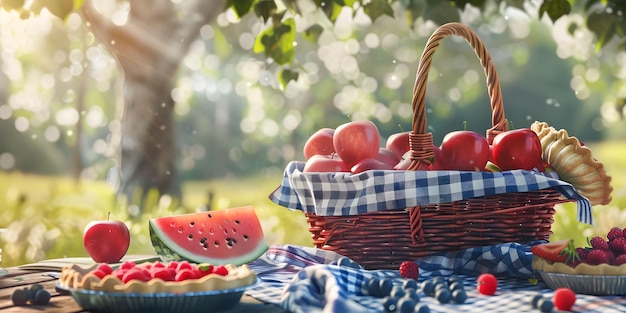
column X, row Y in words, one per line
column 169, row 251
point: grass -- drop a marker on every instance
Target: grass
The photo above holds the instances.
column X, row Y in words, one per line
column 44, row 217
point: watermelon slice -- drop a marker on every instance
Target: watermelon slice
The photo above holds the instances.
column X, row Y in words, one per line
column 229, row 236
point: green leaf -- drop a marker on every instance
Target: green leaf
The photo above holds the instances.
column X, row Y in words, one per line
column 602, row 24
column 519, row 4
column 412, row 10
column 331, row 8
column 277, row 42
column 442, row 12
column 287, row 75
column 313, row 33
column 377, row 8
column 60, row 8
column 554, row 8
column 264, row 9
column 242, row 7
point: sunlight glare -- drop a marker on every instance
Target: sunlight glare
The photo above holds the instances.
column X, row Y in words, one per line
column 66, row 117
column 52, row 133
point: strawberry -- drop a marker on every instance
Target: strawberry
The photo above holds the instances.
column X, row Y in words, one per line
column 220, row 270
column 596, row 257
column 556, row 251
column 409, row 270
column 105, row 268
column 615, row 232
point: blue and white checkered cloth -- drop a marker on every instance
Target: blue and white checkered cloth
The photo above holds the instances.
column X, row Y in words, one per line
column 301, row 279
column 340, row 194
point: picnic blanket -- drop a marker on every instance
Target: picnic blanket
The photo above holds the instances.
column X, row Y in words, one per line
column 302, row 279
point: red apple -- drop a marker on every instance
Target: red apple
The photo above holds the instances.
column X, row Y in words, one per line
column 355, row 141
column 106, row 241
column 517, row 149
column 387, row 156
column 398, row 143
column 321, row 142
column 370, row 164
column 325, row 163
column 465, row 150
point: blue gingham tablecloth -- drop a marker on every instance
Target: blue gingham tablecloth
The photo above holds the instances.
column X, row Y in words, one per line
column 301, row 279
column 340, row 194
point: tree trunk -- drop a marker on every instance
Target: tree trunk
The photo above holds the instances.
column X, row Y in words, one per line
column 149, row 48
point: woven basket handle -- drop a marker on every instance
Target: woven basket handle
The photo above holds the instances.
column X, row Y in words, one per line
column 420, row 140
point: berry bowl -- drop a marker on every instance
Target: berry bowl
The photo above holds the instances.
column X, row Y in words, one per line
column 188, row 302
column 598, row 285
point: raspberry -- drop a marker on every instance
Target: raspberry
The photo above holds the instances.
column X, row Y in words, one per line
column 615, row 232
column 409, row 270
column 596, row 257
column 621, row 259
column 618, row 245
column 599, row 243
column 582, row 252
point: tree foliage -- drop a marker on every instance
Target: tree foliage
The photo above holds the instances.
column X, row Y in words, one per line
column 605, row 18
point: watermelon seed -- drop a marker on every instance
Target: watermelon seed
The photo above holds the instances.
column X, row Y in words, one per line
column 216, row 243
column 190, row 237
column 209, row 215
column 236, row 221
column 205, row 246
column 245, row 237
column 180, row 230
column 203, row 240
column 192, row 223
column 211, row 231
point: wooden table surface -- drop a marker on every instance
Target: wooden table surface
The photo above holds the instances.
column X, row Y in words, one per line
column 62, row 302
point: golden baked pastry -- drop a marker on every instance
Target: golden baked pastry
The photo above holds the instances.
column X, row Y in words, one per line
column 574, row 163
column 77, row 277
column 544, row 265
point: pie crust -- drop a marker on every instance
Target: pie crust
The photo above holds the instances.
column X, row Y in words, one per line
column 574, row 163
column 541, row 264
column 77, row 277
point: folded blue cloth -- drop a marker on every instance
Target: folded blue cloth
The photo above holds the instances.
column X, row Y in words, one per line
column 302, row 279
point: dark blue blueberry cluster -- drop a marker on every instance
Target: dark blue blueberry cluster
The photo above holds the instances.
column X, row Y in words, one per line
column 541, row 303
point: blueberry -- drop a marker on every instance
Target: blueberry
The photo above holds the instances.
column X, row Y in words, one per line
column 454, row 279
column 345, row 261
column 20, row 297
column 441, row 286
column 456, row 285
column 428, row 287
column 535, row 300
column 372, row 286
column 385, row 285
column 443, row 296
column 397, row 292
column 459, row 296
column 41, row 297
column 390, row 304
column 409, row 283
column 406, row 305
column 545, row 305
column 422, row 308
column 439, row 279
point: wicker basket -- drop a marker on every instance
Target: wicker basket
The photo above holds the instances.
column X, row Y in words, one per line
column 382, row 240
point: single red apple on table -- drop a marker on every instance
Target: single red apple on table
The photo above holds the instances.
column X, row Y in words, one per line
column 325, row 163
column 106, row 241
column 321, row 142
column 355, row 141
